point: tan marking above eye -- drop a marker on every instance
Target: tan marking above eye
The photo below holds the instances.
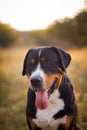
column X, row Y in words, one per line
column 42, row 59
column 32, row 61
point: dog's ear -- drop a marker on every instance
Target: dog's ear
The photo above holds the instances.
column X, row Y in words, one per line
column 65, row 58
column 24, row 64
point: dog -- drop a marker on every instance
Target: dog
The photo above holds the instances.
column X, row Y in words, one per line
column 51, row 103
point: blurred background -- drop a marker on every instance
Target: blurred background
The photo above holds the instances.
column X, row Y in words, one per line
column 25, row 24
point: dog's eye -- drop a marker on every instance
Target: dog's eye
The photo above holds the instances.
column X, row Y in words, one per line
column 47, row 64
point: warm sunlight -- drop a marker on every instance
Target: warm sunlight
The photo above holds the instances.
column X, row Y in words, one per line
column 31, row 14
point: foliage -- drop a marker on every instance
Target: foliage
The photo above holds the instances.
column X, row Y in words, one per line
column 75, row 29
column 81, row 24
column 8, row 35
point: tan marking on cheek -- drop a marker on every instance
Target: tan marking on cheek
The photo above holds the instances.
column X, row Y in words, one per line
column 50, row 79
column 32, row 124
column 59, row 81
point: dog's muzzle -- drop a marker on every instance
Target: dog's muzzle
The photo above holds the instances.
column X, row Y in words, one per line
column 36, row 82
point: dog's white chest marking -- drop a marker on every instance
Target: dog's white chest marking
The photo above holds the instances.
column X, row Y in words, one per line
column 45, row 118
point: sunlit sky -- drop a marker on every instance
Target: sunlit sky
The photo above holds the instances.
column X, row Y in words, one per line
column 36, row 14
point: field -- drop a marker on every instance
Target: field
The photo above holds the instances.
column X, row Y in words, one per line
column 13, row 87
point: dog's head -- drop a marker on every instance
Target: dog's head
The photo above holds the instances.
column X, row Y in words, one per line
column 44, row 67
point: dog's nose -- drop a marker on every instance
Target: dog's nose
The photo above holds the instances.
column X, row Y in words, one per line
column 36, row 82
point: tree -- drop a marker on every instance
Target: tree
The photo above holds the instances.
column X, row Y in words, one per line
column 74, row 29
column 81, row 22
column 8, row 35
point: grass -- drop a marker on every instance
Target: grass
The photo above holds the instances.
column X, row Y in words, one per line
column 77, row 73
column 13, row 87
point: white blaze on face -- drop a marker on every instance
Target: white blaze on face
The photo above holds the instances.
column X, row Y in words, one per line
column 41, row 101
column 38, row 72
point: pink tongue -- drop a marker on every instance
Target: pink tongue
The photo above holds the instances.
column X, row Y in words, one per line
column 41, row 101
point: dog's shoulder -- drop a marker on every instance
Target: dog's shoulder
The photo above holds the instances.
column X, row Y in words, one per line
column 67, row 94
column 66, row 86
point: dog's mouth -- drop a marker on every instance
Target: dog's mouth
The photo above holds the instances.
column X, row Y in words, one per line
column 42, row 96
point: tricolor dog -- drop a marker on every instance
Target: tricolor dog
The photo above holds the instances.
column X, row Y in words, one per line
column 51, row 102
